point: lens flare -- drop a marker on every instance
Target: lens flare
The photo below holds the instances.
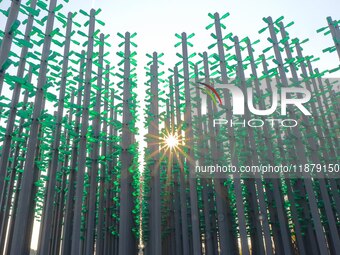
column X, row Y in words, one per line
column 171, row 141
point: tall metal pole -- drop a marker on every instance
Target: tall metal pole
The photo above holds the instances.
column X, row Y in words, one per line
column 15, row 99
column 189, row 143
column 183, row 200
column 110, row 241
column 20, row 227
column 90, row 231
column 206, row 208
column 156, row 242
column 103, row 170
column 4, row 219
column 126, row 239
column 78, row 198
column 49, row 205
column 63, row 184
column 176, row 174
column 67, row 230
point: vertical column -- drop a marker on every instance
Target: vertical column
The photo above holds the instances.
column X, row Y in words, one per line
column 75, row 246
column 49, row 205
column 201, row 145
column 184, row 219
column 15, row 99
column 176, row 174
column 126, row 238
column 11, row 194
column 103, row 170
column 189, row 143
column 156, row 242
column 20, row 226
column 68, row 221
column 93, row 173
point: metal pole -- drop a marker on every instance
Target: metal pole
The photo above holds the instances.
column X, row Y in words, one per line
column 126, row 239
column 184, row 219
column 176, row 175
column 103, row 170
column 67, row 230
column 45, row 237
column 189, row 143
column 156, row 242
column 206, row 208
column 90, row 231
column 15, row 98
column 75, row 246
column 20, row 226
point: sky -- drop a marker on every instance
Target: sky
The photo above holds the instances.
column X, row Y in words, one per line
column 157, row 21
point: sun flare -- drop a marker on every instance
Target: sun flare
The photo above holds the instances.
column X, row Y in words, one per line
column 171, row 141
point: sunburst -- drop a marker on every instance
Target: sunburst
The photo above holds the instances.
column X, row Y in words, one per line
column 170, row 144
column 171, row 141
